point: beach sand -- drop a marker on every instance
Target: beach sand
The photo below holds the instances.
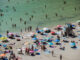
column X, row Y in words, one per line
column 68, row 53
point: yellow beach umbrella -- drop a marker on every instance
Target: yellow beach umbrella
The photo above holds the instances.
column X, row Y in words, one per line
column 3, row 38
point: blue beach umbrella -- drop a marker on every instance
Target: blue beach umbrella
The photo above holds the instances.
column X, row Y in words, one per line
column 73, row 26
column 72, row 44
column 34, row 38
column 0, row 35
column 36, row 49
column 41, row 30
column 4, row 45
column 57, row 40
column 50, row 43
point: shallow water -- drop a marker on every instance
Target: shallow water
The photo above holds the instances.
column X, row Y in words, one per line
column 16, row 9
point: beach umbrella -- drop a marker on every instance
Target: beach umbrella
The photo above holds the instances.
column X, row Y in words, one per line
column 72, row 44
column 36, row 49
column 31, row 51
column 3, row 38
column 10, row 33
column 59, row 26
column 57, row 40
column 45, row 28
column 52, row 32
column 50, row 43
column 0, row 35
column 34, row 38
column 2, row 55
column 35, row 45
column 4, row 45
column 73, row 25
column 41, row 30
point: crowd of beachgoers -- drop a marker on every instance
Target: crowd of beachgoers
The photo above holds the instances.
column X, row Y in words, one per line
column 39, row 41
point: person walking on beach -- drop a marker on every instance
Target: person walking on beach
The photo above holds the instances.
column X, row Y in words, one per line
column 52, row 52
column 60, row 57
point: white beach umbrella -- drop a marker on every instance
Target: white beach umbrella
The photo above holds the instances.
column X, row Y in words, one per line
column 45, row 28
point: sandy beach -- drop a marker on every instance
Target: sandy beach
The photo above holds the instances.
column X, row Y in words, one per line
column 68, row 53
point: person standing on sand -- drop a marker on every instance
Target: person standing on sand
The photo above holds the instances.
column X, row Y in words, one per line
column 60, row 57
column 52, row 52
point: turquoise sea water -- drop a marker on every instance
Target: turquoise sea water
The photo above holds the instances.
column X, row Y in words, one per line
column 68, row 12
